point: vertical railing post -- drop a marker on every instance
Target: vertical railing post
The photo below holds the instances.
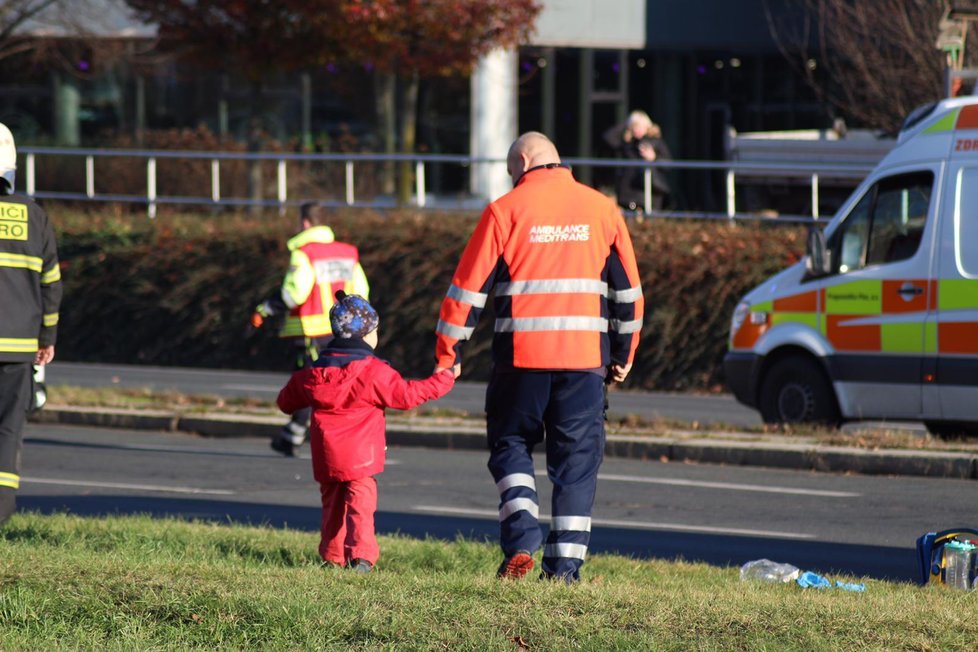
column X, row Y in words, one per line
column 815, row 195
column 731, row 194
column 89, row 176
column 31, row 181
column 282, row 187
column 151, row 187
column 349, row 183
column 215, row 180
column 419, row 182
column 648, row 190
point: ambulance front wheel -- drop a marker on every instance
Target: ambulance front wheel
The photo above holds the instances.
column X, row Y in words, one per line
column 796, row 390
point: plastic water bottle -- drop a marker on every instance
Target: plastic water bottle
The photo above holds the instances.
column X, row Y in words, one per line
column 766, row 570
column 957, row 564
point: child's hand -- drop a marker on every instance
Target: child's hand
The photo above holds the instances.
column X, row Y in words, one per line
column 456, row 371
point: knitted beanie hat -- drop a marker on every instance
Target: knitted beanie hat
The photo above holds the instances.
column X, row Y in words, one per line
column 352, row 316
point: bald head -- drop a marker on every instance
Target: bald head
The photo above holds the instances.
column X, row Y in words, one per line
column 528, row 151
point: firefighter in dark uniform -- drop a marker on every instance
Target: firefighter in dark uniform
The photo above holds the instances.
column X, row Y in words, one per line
column 30, row 295
column 558, row 258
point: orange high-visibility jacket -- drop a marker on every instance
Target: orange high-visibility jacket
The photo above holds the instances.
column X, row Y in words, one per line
column 567, row 292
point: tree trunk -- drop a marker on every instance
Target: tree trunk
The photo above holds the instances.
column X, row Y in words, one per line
column 385, row 84
column 409, row 125
column 254, row 145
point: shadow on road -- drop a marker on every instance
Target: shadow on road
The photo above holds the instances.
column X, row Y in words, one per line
column 896, row 564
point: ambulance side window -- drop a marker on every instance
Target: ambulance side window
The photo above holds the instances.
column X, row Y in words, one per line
column 966, row 226
column 886, row 225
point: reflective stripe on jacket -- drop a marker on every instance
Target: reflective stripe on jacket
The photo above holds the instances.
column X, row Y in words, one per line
column 30, row 280
column 567, row 290
column 319, row 266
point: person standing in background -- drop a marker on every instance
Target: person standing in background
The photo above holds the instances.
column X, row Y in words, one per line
column 30, row 297
column 639, row 139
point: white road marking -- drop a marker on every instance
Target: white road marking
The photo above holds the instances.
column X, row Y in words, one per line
column 131, row 487
column 254, row 388
column 725, row 485
column 638, row 525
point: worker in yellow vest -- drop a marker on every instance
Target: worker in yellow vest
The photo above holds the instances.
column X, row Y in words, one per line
column 318, row 267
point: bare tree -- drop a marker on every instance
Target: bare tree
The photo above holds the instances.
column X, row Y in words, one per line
column 14, row 14
column 872, row 61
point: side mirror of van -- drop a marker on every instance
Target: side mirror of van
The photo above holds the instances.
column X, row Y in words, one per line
column 817, row 257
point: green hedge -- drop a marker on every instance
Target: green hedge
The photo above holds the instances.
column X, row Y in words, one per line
column 179, row 290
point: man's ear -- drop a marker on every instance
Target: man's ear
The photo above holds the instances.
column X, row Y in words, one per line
column 526, row 161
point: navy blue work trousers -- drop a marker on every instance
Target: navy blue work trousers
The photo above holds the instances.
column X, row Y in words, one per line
column 565, row 409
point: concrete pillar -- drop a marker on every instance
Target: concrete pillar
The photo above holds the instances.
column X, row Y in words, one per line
column 585, row 113
column 548, row 108
column 494, row 121
column 67, row 101
column 306, row 84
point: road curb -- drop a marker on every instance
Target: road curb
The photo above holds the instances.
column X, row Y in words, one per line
column 424, row 433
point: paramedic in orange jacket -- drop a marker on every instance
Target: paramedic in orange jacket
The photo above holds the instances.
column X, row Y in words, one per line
column 568, row 307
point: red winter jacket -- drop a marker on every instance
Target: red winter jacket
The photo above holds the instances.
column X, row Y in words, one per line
column 348, row 389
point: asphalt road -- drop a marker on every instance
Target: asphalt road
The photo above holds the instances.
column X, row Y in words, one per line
column 828, row 523
column 467, row 396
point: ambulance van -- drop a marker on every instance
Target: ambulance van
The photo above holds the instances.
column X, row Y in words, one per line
column 880, row 319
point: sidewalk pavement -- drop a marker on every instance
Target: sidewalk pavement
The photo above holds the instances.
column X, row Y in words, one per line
column 732, row 448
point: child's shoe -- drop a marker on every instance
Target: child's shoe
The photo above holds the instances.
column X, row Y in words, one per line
column 360, row 566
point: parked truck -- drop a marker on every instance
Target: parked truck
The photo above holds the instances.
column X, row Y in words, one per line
column 774, row 188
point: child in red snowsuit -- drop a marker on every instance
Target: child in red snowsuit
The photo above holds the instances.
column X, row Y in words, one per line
column 348, row 389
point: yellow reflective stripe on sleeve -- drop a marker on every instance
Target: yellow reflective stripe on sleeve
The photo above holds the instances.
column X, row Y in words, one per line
column 18, row 344
column 51, row 319
column 957, row 294
column 21, row 261
column 53, row 275
column 904, row 337
column 806, row 318
column 10, row 480
column 855, row 298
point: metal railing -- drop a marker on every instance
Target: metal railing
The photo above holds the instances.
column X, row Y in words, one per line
column 732, row 171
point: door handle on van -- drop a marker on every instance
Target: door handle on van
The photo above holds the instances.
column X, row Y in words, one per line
column 910, row 289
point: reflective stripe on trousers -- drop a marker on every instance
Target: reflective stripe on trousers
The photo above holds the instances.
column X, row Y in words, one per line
column 564, row 409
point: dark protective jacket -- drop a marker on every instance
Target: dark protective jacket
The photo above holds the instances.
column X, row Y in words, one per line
column 30, row 280
column 630, row 181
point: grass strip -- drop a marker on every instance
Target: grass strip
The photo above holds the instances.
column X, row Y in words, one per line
column 125, row 583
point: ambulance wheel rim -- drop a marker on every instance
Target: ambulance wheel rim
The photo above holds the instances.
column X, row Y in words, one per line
column 796, row 402
column 795, row 389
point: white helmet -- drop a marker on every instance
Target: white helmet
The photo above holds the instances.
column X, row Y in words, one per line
column 8, row 157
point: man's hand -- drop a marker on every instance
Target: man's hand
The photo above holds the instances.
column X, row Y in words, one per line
column 44, row 355
column 455, row 370
column 619, row 372
column 262, row 310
